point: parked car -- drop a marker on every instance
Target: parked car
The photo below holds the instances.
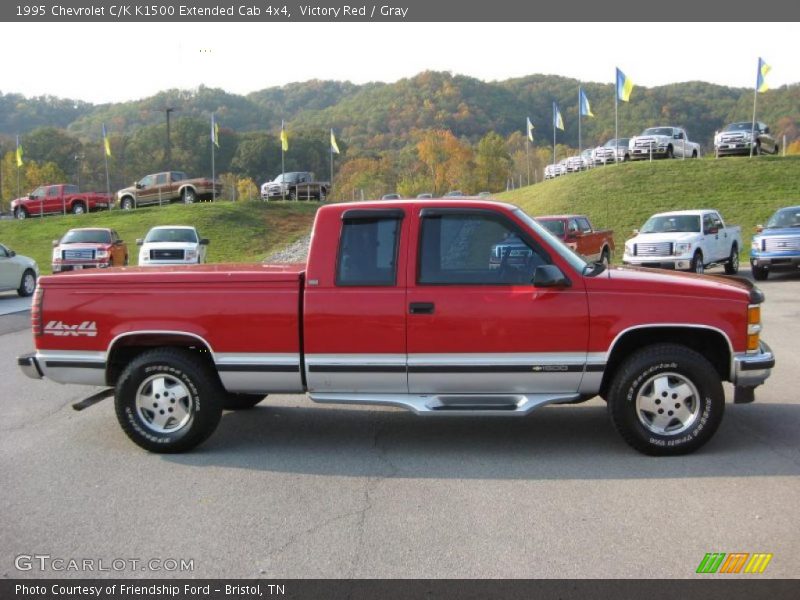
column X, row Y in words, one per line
column 687, row 240
column 614, row 150
column 59, row 199
column 17, row 272
column 172, row 245
column 486, row 194
column 89, row 248
column 577, row 232
column 576, row 163
column 295, row 185
column 776, row 247
column 663, row 142
column 391, row 197
column 398, row 305
column 737, row 138
column 588, row 158
column 424, row 196
column 166, row 187
column 553, row 171
column 454, row 194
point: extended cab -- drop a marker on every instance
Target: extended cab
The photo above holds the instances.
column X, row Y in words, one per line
column 297, row 185
column 776, row 247
column 166, row 187
column 577, row 232
column 59, row 199
column 89, row 248
column 663, row 142
column 685, row 240
column 399, row 305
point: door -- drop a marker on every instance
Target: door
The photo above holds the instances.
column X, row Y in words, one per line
column 476, row 323
column 713, row 238
column 8, row 270
column 146, row 192
column 35, row 203
column 355, row 305
column 53, row 203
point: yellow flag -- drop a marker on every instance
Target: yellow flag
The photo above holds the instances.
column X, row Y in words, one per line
column 284, row 138
column 19, row 153
column 106, row 141
column 334, row 145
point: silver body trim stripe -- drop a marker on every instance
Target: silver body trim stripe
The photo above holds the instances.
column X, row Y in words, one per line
column 73, row 366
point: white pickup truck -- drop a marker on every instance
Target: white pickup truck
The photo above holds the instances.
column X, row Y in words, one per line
column 663, row 142
column 686, row 240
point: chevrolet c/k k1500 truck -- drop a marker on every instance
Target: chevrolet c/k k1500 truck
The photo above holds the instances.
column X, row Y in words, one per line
column 404, row 304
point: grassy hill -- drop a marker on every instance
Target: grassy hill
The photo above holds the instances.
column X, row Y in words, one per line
column 240, row 231
column 745, row 191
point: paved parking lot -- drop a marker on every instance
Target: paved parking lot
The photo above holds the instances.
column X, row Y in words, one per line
column 10, row 302
column 296, row 490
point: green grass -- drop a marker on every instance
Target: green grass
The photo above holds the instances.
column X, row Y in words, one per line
column 745, row 191
column 239, row 231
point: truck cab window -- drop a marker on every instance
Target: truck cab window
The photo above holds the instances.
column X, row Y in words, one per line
column 474, row 250
column 161, row 179
column 368, row 252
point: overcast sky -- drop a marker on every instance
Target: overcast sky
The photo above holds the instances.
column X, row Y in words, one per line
column 108, row 62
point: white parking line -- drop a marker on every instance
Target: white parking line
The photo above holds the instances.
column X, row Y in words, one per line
column 10, row 302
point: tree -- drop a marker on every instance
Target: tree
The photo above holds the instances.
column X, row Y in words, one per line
column 493, row 163
column 448, row 159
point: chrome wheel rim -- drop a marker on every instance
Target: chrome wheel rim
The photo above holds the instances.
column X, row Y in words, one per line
column 735, row 261
column 699, row 267
column 78, row 210
column 668, row 404
column 163, row 404
column 29, row 283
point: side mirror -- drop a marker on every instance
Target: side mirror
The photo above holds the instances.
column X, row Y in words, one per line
column 138, row 185
column 759, row 228
column 30, row 196
column 12, row 253
column 549, row 276
column 766, row 129
column 55, row 243
column 205, row 242
column 139, row 241
column 119, row 242
column 635, row 232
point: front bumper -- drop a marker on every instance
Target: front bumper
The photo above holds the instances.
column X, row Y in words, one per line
column 63, row 267
column 776, row 261
column 29, row 365
column 676, row 263
column 730, row 148
column 751, row 370
column 642, row 153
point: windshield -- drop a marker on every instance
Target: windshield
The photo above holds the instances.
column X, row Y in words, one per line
column 87, row 236
column 623, row 142
column 785, row 217
column 171, row 234
column 739, row 127
column 658, row 131
column 555, row 226
column 672, row 224
column 575, row 261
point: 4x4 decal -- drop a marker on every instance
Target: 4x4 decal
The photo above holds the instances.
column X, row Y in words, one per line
column 87, row 328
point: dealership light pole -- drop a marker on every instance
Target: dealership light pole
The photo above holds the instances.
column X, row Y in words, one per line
column 168, row 153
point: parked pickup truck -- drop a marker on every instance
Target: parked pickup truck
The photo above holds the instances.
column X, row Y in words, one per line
column 166, row 187
column 686, row 240
column 577, row 232
column 298, row 185
column 400, row 306
column 737, row 138
column 89, row 248
column 663, row 142
column 58, row 199
column 776, row 247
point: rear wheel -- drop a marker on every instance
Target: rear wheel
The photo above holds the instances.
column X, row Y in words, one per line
column 759, row 273
column 189, row 196
column 732, row 266
column 167, row 400
column 78, row 208
column 666, row 400
column 27, row 284
column 697, row 263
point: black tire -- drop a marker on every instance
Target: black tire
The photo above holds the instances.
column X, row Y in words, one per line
column 27, row 284
column 694, row 153
column 605, row 257
column 697, row 263
column 292, row 195
column 757, row 149
column 670, row 153
column 759, row 273
column 192, row 391
column 20, row 213
column 125, row 262
column 626, row 158
column 189, row 196
column 78, row 208
column 127, row 203
column 732, row 265
column 692, row 401
column 242, row 401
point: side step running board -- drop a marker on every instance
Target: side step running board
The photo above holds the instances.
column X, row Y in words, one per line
column 93, row 399
column 449, row 404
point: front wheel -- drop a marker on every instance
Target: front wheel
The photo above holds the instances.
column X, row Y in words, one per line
column 20, row 213
column 759, row 273
column 694, row 154
column 126, row 204
column 666, row 400
column 697, row 263
column 605, row 257
column 732, row 266
column 167, row 400
column 27, row 284
column 670, row 153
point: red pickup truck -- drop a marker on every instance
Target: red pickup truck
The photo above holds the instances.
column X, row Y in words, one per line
column 579, row 234
column 401, row 304
column 58, row 199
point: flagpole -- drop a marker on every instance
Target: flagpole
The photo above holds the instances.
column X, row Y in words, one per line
column 580, row 111
column 755, row 100
column 108, row 182
column 330, row 149
column 528, row 157
column 283, row 167
column 16, row 156
column 616, row 120
column 213, row 165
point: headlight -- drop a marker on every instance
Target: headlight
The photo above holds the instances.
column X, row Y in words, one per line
column 755, row 245
column 191, row 255
column 628, row 248
column 144, row 256
column 682, row 248
column 56, row 254
column 101, row 254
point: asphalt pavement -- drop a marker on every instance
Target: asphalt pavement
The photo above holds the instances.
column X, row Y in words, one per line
column 292, row 489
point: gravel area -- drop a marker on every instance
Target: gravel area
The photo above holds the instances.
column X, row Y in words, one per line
column 293, row 253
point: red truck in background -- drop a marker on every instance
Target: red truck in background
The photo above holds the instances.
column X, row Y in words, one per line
column 577, row 232
column 59, row 199
column 401, row 304
column 88, row 248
